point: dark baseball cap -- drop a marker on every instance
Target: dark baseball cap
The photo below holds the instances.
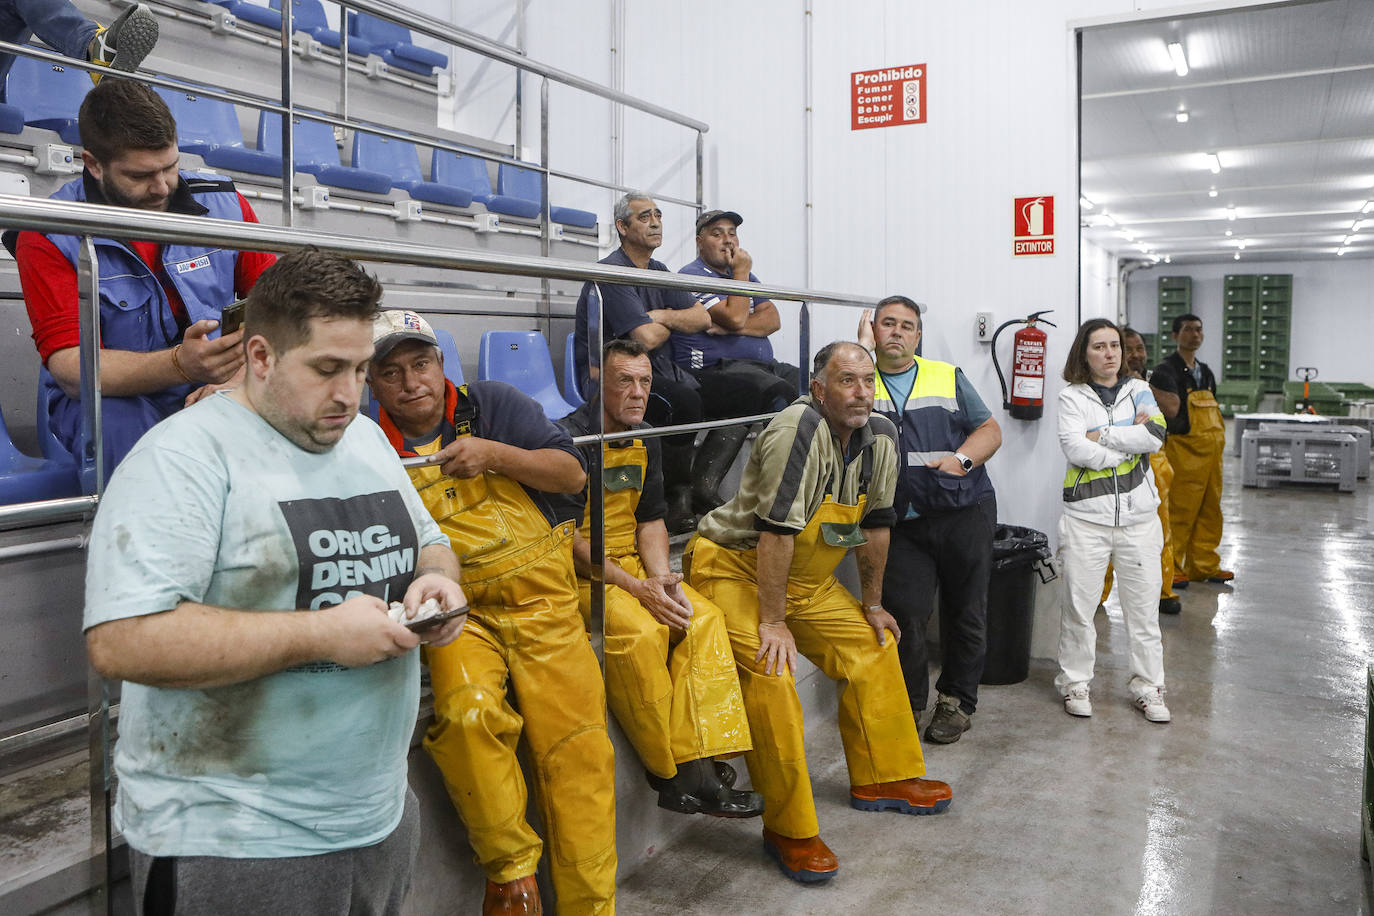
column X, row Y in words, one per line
column 710, row 216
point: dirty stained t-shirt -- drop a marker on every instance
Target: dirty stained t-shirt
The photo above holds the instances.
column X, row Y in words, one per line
column 214, row 506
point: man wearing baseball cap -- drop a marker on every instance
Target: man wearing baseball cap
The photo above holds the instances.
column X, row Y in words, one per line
column 496, row 460
column 732, row 359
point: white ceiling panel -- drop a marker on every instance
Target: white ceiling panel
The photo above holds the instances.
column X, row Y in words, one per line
column 1284, row 96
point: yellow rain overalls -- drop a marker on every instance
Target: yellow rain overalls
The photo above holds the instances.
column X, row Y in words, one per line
column 1195, row 496
column 674, row 692
column 876, row 725
column 1164, row 478
column 524, row 635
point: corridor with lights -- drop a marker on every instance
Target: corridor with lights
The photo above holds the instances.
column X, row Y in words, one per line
column 1247, row 803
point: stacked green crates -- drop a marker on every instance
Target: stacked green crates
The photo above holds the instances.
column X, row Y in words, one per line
column 1275, row 323
column 1238, row 397
column 1152, row 354
column 1240, row 335
column 1175, row 298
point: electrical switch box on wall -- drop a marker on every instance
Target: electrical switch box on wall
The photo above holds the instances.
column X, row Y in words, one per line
column 983, row 327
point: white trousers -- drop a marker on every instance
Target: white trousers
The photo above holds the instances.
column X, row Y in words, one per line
column 1085, row 549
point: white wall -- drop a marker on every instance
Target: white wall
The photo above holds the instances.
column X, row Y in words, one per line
column 920, row 209
column 1097, row 281
column 1333, row 310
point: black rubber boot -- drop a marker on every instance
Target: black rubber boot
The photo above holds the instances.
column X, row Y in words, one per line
column 713, row 460
column 724, row 772
column 696, row 789
column 680, row 519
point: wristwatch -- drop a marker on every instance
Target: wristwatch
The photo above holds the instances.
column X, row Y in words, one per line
column 964, row 461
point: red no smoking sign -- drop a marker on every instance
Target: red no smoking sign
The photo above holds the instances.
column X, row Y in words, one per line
column 1032, row 222
column 888, row 97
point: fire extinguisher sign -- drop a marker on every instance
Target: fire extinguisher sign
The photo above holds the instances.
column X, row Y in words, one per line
column 889, row 97
column 1032, row 225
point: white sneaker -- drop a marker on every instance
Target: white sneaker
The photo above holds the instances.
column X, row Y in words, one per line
column 1150, row 701
column 1076, row 702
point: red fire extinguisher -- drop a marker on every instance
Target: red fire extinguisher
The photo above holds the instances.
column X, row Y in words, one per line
column 1027, row 396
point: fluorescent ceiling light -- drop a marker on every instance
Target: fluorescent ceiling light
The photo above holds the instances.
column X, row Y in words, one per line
column 1211, row 192
column 1357, row 225
column 1176, row 55
column 1231, row 213
column 1340, row 251
column 1107, row 217
column 1168, row 259
column 1181, row 116
column 1214, row 163
column 1368, row 206
column 1236, row 256
column 1126, row 234
column 1228, row 233
column 1085, row 203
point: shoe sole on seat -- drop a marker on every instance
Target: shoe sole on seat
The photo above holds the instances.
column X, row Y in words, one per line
column 897, row 804
column 137, row 36
column 801, row 875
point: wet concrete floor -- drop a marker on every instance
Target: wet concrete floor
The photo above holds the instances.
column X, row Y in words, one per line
column 1247, row 803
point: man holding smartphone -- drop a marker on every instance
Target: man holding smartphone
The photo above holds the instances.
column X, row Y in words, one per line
column 497, row 460
column 160, row 304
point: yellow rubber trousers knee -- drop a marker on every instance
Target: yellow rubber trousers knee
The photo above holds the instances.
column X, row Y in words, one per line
column 877, row 729
column 1164, row 478
column 1195, row 496
column 525, row 637
column 675, row 693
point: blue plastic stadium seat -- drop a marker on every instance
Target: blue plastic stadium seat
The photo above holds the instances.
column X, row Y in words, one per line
column 521, row 358
column 392, row 42
column 570, row 392
column 470, row 173
column 317, row 154
column 308, row 16
column 210, row 129
column 25, row 479
column 50, row 94
column 11, row 119
column 252, row 12
column 527, row 184
column 401, row 161
column 453, row 366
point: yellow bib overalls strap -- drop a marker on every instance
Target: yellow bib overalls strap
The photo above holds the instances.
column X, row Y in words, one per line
column 876, row 725
column 1195, row 497
column 524, row 636
column 622, row 482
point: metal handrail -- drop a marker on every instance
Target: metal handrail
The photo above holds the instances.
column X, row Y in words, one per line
column 652, row 432
column 437, row 28
column 79, row 218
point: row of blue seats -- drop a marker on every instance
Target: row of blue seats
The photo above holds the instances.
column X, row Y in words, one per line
column 49, row 96
column 520, row 358
column 366, row 34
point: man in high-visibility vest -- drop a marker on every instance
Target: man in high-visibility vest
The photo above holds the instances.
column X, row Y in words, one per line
column 818, row 484
column 499, row 458
column 946, row 516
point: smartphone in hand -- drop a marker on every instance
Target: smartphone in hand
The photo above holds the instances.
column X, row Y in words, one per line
column 231, row 319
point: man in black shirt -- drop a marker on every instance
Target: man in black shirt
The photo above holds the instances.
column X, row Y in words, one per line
column 1185, row 389
column 649, row 315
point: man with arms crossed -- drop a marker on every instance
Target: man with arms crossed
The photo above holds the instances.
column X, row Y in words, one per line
column 241, row 564
column 819, row 483
column 732, row 359
column 498, row 459
column 1186, row 390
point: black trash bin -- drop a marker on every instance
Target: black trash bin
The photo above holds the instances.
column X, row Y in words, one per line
column 1011, row 601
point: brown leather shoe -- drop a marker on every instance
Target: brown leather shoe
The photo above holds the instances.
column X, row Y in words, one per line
column 909, row 796
column 514, row 898
column 809, row 861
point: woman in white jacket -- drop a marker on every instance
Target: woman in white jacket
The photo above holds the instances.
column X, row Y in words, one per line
column 1107, row 425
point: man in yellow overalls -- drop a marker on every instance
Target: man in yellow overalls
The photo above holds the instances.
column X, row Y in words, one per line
column 1186, row 391
column 819, row 483
column 1136, row 357
column 670, row 673
column 498, row 458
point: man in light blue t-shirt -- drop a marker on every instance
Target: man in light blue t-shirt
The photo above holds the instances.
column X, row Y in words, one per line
column 241, row 565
